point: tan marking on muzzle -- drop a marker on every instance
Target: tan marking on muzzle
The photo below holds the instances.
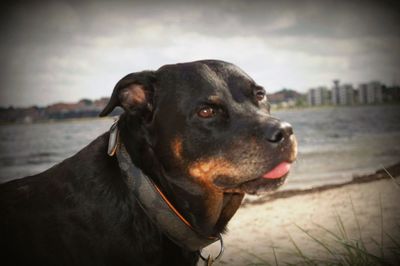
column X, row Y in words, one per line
column 293, row 154
column 207, row 170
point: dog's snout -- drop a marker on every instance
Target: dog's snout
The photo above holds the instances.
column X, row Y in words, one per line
column 278, row 131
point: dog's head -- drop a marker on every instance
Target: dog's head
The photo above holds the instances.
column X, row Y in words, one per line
column 210, row 122
column 204, row 133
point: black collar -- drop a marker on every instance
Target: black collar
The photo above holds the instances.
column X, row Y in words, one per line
column 154, row 203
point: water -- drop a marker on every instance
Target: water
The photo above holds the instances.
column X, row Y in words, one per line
column 334, row 143
column 337, row 143
column 27, row 149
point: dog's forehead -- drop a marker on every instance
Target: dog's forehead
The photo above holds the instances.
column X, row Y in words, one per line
column 210, row 77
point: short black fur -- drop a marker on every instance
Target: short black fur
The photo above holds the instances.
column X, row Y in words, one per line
column 82, row 212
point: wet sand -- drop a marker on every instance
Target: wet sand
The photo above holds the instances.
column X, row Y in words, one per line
column 269, row 223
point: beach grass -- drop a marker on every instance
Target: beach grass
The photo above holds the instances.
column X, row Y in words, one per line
column 338, row 247
column 342, row 251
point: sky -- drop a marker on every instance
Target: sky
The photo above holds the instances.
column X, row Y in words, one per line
column 63, row 51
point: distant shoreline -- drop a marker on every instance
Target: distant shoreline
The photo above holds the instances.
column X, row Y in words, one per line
column 330, row 106
column 294, row 108
column 64, row 120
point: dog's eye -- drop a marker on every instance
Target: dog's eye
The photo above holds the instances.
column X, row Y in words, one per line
column 260, row 95
column 206, row 112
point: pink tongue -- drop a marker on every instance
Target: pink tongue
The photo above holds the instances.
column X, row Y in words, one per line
column 279, row 171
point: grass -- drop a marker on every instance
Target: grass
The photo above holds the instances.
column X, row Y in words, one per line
column 341, row 249
column 349, row 251
column 344, row 250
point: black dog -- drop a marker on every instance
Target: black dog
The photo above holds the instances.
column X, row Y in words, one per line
column 203, row 135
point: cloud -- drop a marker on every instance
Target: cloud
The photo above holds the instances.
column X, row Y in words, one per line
column 68, row 50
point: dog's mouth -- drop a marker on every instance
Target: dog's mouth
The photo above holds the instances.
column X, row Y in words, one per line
column 278, row 171
column 269, row 181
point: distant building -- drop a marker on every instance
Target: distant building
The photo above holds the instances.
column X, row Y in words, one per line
column 346, row 93
column 342, row 94
column 311, row 97
column 362, row 93
column 335, row 99
column 369, row 93
column 287, row 104
column 318, row 96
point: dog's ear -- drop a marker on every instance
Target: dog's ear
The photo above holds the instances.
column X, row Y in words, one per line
column 133, row 92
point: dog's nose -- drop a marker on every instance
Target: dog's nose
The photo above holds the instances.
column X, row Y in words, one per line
column 277, row 131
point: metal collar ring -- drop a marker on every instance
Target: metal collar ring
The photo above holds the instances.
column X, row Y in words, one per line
column 221, row 251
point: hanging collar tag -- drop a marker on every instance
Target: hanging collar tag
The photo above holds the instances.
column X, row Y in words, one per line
column 113, row 139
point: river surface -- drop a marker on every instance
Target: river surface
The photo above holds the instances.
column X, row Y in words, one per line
column 335, row 143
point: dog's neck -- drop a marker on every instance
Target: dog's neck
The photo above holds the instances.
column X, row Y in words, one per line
column 208, row 210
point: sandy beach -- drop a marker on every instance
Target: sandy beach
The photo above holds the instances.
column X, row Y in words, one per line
column 268, row 224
